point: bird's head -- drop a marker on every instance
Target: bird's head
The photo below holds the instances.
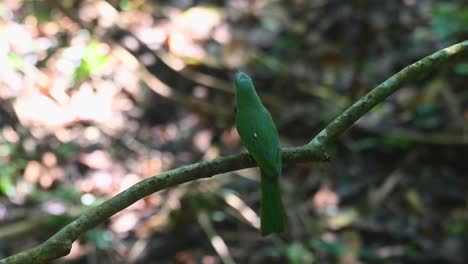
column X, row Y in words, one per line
column 243, row 80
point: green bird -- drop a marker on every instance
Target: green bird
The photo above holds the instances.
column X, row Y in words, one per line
column 259, row 135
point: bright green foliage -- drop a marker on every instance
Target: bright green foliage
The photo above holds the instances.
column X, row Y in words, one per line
column 6, row 184
column 260, row 137
column 93, row 60
column 449, row 20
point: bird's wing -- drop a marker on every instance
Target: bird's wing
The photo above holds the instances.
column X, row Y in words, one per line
column 260, row 137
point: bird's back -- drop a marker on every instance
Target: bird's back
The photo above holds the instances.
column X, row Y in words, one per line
column 259, row 134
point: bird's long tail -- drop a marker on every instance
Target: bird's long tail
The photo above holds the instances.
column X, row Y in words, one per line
column 272, row 215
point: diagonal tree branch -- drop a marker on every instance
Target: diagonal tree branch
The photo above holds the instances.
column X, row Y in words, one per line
column 378, row 94
column 60, row 244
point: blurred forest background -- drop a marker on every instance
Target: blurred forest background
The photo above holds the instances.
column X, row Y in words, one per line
column 97, row 95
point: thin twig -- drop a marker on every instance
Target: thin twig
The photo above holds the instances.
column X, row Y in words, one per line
column 216, row 241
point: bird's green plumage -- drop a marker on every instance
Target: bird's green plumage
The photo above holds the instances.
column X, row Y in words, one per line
column 259, row 135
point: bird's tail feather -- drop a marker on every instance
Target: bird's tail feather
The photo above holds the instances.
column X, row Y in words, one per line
column 272, row 215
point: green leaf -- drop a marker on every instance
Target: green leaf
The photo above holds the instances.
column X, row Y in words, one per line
column 93, row 61
column 67, row 149
column 6, row 185
column 331, row 248
column 298, row 254
column 461, row 68
column 448, row 20
column 102, row 238
column 401, row 143
column 365, row 143
column 69, row 195
column 272, row 62
column 125, row 5
column 15, row 60
column 427, row 117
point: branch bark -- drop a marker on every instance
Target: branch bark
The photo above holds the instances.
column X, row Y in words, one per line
column 382, row 91
column 60, row 244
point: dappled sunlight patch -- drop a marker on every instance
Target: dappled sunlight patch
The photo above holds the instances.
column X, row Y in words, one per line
column 326, row 200
column 202, row 140
column 91, row 104
column 244, row 210
column 100, row 182
column 129, row 180
column 36, row 109
column 98, row 159
column 342, row 219
column 77, row 250
column 33, row 171
column 49, row 159
column 181, row 45
column 191, row 31
column 211, row 153
column 124, row 222
column 85, row 104
column 55, row 207
column 230, row 137
column 151, row 167
column 50, row 177
column 46, row 173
